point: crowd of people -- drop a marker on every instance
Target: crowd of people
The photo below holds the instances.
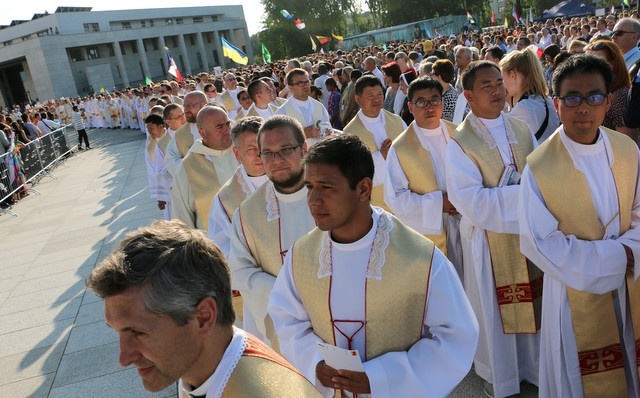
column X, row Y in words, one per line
column 469, row 199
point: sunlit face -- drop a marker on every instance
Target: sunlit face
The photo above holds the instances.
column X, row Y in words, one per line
column 216, row 130
column 247, row 152
column 300, row 86
column 155, row 131
column 429, row 116
column 176, row 119
column 245, row 100
column 192, row 105
column 283, row 171
column 161, row 350
column 486, row 99
column 371, row 100
column 230, row 82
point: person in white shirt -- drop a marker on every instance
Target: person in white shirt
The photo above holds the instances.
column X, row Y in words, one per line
column 262, row 99
column 362, row 280
column 323, row 75
column 579, row 222
column 229, row 98
column 186, row 135
column 370, row 65
column 78, row 124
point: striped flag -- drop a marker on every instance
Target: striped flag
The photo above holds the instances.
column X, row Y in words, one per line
column 470, row 18
column 322, row 39
column 233, row 52
column 173, row 69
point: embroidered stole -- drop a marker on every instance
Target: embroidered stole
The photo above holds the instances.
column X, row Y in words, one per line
column 567, row 196
column 163, row 141
column 518, row 281
column 417, row 166
column 231, row 195
column 151, row 148
column 204, row 184
column 393, row 127
column 184, row 139
column 227, row 101
column 403, row 285
column 292, row 110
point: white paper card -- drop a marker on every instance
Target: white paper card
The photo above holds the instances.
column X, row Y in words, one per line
column 339, row 358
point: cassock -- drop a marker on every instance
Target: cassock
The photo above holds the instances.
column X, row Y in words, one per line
column 503, row 359
column 443, row 327
column 224, row 206
column 422, row 211
column 590, row 265
column 264, row 227
column 197, row 180
column 249, row 369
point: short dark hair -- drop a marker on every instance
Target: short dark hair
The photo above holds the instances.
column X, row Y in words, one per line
column 469, row 75
column 154, row 118
column 248, row 124
column 367, row 81
column 348, row 153
column 496, row 52
column 295, row 72
column 443, row 68
column 176, row 266
column 421, row 84
column 277, row 121
column 526, row 40
column 166, row 113
column 253, row 88
column 355, row 74
column 581, row 64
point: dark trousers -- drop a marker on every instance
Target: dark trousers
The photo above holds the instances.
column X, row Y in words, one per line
column 82, row 134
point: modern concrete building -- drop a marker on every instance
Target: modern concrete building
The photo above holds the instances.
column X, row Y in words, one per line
column 76, row 50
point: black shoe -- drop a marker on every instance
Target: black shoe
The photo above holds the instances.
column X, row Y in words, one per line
column 80, row 148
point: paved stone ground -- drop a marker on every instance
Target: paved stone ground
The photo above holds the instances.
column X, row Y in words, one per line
column 53, row 339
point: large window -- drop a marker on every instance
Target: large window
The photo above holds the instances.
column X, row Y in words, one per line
column 126, row 25
column 179, row 21
column 93, row 52
column 75, row 54
column 91, row 27
column 197, row 19
column 143, row 23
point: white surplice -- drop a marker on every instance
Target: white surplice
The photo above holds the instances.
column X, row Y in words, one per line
column 593, row 266
column 501, row 359
column 424, row 212
column 183, row 205
column 432, row 367
column 219, row 223
column 247, row 275
column 172, row 157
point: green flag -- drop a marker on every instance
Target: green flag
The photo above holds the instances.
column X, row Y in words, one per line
column 147, row 80
column 626, row 3
column 265, row 54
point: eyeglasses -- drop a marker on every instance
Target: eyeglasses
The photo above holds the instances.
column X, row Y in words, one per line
column 574, row 101
column 283, row 153
column 301, row 83
column 194, row 105
column 423, row 103
column 180, row 116
column 620, row 32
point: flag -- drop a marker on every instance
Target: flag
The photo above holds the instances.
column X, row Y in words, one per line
column 286, row 15
column 613, row 9
column 493, row 18
column 314, row 47
column 173, row 69
column 506, row 23
column 102, row 89
column 515, row 15
column 322, row 39
column 233, row 52
column 147, row 80
column 626, row 3
column 299, row 24
column 337, row 37
column 266, row 56
column 470, row 18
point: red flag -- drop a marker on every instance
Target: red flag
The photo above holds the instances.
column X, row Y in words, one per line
column 322, row 39
column 173, row 69
column 493, row 18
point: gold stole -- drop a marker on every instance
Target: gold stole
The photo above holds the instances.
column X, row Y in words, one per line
column 231, row 195
column 204, row 184
column 264, row 242
column 404, row 284
column 567, row 196
column 184, row 139
column 261, row 372
column 254, row 112
column 292, row 110
column 151, row 148
column 228, row 101
column 163, row 141
column 518, row 281
column 417, row 166
column 393, row 127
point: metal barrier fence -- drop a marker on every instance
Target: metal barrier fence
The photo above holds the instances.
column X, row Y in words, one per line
column 20, row 170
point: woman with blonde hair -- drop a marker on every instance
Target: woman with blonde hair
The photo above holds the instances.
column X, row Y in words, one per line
column 528, row 94
column 620, row 86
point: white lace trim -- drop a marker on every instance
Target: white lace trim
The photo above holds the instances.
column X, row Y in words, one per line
column 477, row 124
column 242, row 180
column 273, row 208
column 232, row 366
column 377, row 256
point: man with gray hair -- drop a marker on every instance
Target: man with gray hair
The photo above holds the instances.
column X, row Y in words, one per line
column 167, row 294
column 626, row 34
column 208, row 165
column 370, row 65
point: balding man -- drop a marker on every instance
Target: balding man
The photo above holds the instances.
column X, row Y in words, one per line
column 626, row 34
column 370, row 65
column 187, row 134
column 208, row 165
column 463, row 59
column 229, row 98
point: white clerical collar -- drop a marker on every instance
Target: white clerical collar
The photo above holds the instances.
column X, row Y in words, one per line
column 291, row 197
column 370, row 120
column 199, row 147
column 217, row 382
column 584, row 149
column 361, row 243
column 257, row 181
column 430, row 132
column 302, row 104
column 492, row 123
column 233, row 91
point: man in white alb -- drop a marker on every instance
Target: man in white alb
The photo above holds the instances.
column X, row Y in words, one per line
column 261, row 96
column 229, row 98
column 186, row 135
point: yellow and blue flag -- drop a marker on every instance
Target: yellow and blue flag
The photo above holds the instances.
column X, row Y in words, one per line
column 233, row 52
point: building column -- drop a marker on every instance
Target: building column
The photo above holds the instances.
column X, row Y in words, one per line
column 247, row 40
column 143, row 59
column 123, row 68
column 218, row 43
column 185, row 55
column 203, row 51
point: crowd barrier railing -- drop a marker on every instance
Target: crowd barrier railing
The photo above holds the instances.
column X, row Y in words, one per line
column 22, row 169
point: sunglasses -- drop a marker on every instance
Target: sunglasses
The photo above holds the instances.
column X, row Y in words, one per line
column 620, row 32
